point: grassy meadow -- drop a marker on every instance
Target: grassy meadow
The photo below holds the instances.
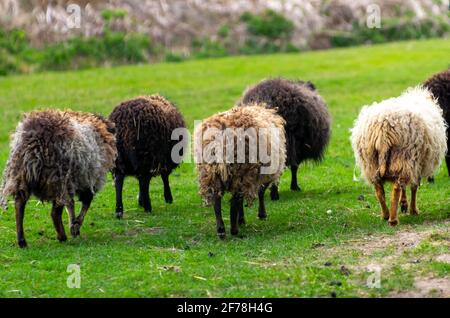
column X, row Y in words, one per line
column 316, row 243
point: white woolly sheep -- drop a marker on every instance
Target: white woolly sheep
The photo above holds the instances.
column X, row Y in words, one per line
column 399, row 140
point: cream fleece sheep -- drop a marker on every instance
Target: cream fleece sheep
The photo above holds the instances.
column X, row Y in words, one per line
column 400, row 140
column 244, row 180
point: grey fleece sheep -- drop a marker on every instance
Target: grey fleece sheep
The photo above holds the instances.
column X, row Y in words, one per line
column 56, row 155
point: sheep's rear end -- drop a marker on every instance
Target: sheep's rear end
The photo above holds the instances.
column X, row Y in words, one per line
column 144, row 141
column 308, row 122
column 399, row 140
column 228, row 148
column 54, row 156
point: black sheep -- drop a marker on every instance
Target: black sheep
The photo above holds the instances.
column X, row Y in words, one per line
column 439, row 85
column 307, row 120
column 144, row 129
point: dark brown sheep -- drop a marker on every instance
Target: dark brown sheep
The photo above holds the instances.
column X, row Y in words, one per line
column 56, row 155
column 307, row 120
column 144, row 127
column 439, row 85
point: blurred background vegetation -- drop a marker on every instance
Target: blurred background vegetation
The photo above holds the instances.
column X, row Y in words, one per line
column 36, row 35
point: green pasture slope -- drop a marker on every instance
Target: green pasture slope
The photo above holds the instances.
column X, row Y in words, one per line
column 298, row 251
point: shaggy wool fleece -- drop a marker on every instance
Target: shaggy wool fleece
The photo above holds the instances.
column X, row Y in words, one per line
column 58, row 154
column 144, row 128
column 439, row 85
column 308, row 122
column 401, row 139
column 245, row 178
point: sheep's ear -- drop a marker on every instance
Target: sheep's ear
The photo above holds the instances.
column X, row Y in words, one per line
column 310, row 85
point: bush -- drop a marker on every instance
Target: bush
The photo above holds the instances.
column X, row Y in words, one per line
column 223, row 31
column 15, row 53
column 269, row 24
column 207, row 48
column 173, row 57
column 113, row 48
column 8, row 64
column 394, row 29
column 14, row 41
column 270, row 32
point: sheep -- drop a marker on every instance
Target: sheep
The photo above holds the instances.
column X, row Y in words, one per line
column 246, row 131
column 307, row 120
column 439, row 85
column 399, row 140
column 56, row 155
column 144, row 127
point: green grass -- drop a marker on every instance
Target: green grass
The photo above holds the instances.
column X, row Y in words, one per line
column 166, row 253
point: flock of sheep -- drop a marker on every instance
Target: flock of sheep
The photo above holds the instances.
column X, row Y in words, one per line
column 57, row 155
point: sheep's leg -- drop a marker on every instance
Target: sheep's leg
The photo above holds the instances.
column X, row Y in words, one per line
column 395, row 197
column 57, row 211
column 379, row 190
column 167, row 193
column 241, row 216
column 86, row 200
column 274, row 195
column 144, row 197
column 234, row 213
column 74, row 226
column 413, row 209
column 118, row 183
column 262, row 207
column 219, row 221
column 404, row 201
column 294, row 182
column 20, row 202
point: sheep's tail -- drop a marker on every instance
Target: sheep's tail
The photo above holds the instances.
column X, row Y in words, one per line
column 383, row 160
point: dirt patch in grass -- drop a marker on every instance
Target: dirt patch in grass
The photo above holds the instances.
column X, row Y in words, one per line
column 389, row 251
column 444, row 258
column 398, row 242
column 426, row 287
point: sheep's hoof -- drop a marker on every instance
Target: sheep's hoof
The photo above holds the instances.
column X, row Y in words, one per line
column 119, row 215
column 168, row 198
column 148, row 210
column 393, row 223
column 75, row 229
column 241, row 221
column 262, row 216
column 221, row 235
column 414, row 212
column 234, row 232
column 431, row 180
column 62, row 238
column 274, row 196
column 385, row 216
column 404, row 207
column 22, row 243
column 296, row 188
